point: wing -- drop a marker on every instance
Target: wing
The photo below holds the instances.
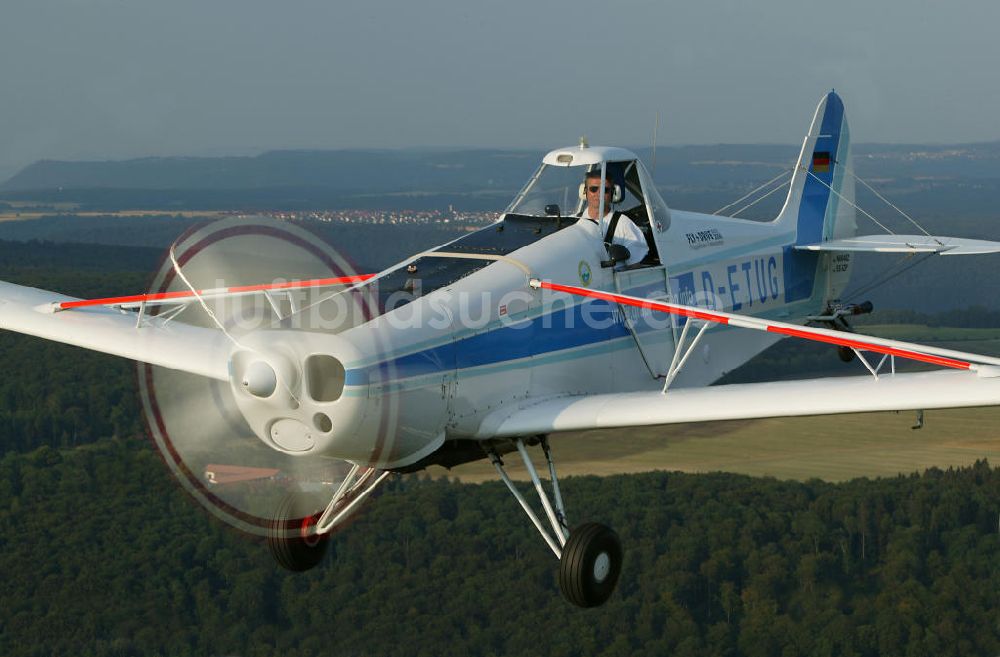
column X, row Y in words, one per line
column 174, row 345
column 855, row 394
column 973, row 380
column 905, row 244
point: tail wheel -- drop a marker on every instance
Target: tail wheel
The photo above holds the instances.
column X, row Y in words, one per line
column 590, row 565
column 292, row 536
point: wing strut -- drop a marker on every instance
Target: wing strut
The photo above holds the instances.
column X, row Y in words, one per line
column 677, row 364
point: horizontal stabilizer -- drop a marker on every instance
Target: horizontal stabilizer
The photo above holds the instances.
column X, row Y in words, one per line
column 173, row 345
column 905, row 244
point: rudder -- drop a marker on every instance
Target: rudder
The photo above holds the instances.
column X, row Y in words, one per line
column 820, row 201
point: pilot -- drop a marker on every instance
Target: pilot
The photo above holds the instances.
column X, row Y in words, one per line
column 625, row 232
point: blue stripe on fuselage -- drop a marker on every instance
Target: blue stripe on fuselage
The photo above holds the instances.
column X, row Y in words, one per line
column 564, row 328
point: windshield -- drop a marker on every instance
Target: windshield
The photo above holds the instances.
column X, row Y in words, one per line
column 552, row 188
column 557, row 190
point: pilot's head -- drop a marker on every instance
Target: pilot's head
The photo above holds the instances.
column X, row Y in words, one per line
column 594, row 190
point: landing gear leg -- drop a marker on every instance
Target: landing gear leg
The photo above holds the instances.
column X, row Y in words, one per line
column 298, row 537
column 590, row 556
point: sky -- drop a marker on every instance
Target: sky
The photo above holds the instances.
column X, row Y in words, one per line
column 114, row 79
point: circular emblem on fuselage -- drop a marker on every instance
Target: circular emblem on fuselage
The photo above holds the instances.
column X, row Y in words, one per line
column 584, row 271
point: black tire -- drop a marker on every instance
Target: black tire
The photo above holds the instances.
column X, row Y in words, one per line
column 590, row 565
column 290, row 536
column 846, row 354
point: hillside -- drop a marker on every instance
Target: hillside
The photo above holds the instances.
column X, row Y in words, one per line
column 451, row 170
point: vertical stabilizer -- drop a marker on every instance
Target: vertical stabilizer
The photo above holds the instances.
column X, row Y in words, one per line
column 820, row 202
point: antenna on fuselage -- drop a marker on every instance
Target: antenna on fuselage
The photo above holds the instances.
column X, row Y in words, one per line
column 656, row 124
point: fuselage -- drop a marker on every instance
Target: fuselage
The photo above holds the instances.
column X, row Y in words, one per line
column 436, row 366
column 440, row 346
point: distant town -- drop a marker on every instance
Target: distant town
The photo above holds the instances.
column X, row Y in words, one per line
column 23, row 211
column 409, row 217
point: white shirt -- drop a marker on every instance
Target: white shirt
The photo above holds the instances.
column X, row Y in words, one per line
column 626, row 233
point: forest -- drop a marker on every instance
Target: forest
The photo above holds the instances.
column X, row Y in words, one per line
column 102, row 554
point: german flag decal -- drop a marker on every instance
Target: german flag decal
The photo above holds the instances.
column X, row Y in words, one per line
column 821, row 162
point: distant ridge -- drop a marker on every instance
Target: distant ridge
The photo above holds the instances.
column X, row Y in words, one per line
column 475, row 170
column 357, row 171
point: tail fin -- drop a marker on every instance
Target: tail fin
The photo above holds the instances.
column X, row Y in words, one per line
column 820, row 202
column 820, row 205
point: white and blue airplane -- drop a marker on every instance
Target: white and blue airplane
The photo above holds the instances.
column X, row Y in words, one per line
column 486, row 345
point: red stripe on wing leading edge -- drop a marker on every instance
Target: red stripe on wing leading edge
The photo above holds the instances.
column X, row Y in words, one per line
column 111, row 301
column 763, row 325
column 181, row 294
column 858, row 344
column 638, row 303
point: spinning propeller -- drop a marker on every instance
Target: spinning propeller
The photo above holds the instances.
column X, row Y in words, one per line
column 246, row 278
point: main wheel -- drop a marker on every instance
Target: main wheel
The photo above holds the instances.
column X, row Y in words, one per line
column 846, row 354
column 590, row 564
column 292, row 536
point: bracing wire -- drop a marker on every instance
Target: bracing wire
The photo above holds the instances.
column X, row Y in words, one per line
column 197, row 295
column 217, row 322
column 754, row 191
column 888, row 274
column 879, row 279
column 756, row 201
column 851, row 203
column 890, row 204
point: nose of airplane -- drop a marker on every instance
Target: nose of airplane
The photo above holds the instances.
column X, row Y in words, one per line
column 294, row 392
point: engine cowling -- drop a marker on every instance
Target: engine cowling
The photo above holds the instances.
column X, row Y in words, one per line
column 308, row 394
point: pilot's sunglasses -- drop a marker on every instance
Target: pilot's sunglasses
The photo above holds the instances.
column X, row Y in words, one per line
column 596, row 188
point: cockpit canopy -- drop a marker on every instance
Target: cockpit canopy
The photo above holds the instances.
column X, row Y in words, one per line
column 556, row 189
column 551, row 197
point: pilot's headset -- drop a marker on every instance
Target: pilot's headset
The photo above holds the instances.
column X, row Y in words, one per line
column 616, row 196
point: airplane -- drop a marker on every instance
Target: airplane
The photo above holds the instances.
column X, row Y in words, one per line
column 260, row 349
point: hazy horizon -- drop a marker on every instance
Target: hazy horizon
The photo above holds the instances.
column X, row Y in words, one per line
column 430, row 148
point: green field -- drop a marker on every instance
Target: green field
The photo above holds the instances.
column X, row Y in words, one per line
column 832, row 448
